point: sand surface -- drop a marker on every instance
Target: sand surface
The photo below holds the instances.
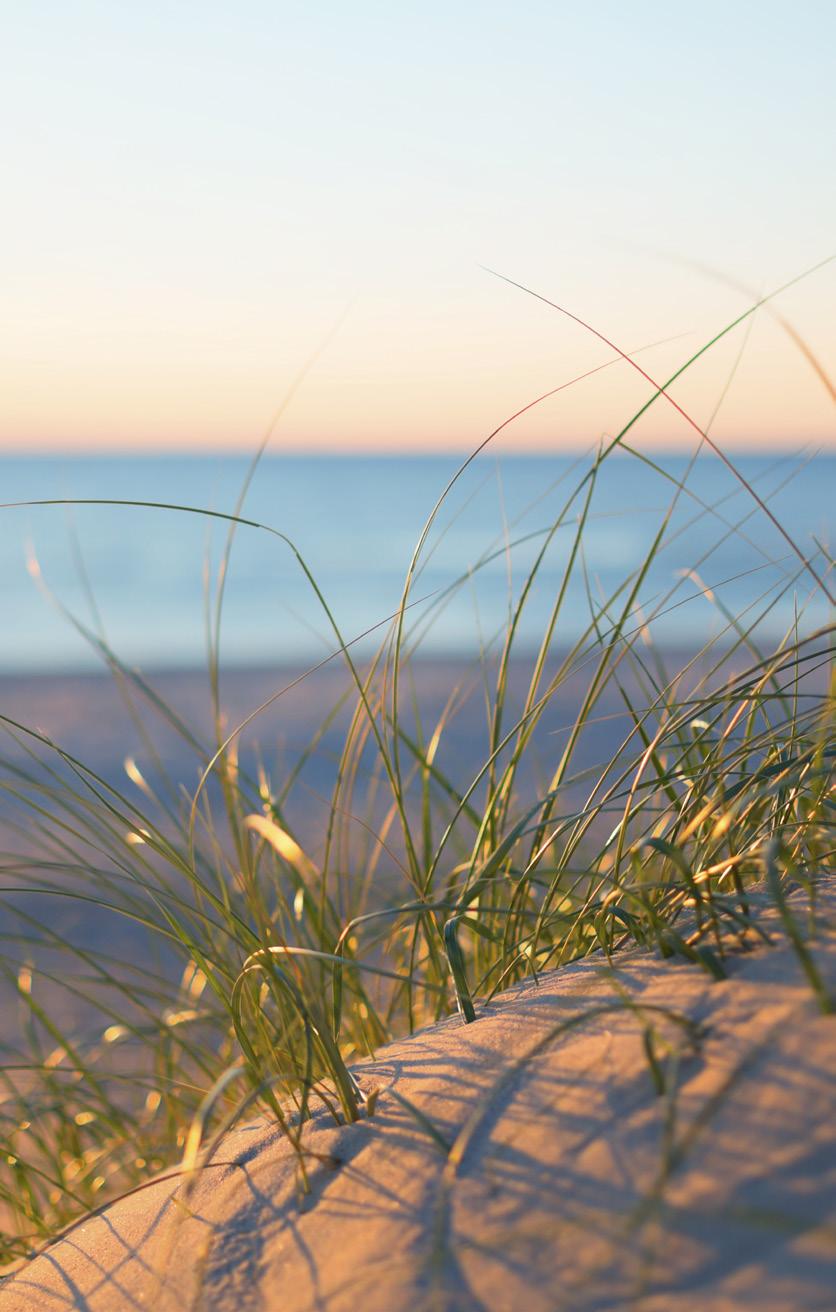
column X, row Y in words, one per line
column 569, row 1182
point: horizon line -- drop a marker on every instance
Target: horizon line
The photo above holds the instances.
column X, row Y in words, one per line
column 195, row 451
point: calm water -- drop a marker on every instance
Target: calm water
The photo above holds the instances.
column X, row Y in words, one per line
column 139, row 574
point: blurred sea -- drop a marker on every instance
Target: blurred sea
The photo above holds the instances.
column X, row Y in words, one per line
column 138, row 575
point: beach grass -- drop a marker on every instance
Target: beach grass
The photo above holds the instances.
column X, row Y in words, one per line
column 267, row 966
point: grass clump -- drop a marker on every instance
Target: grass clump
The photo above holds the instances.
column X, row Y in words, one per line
column 257, row 963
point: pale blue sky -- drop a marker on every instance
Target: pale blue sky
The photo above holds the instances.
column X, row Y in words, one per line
column 196, row 194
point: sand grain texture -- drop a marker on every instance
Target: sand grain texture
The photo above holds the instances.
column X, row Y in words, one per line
column 571, row 1183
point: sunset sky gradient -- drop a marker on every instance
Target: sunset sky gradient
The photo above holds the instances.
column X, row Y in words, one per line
column 208, row 207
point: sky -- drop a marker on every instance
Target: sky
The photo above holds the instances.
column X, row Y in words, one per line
column 219, row 214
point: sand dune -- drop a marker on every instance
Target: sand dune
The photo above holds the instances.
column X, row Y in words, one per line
column 536, row 1165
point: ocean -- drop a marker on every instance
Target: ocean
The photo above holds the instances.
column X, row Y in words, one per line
column 140, row 577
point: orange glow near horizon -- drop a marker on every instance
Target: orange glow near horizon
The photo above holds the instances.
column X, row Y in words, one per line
column 391, row 387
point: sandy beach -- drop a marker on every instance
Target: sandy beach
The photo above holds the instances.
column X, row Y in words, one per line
column 88, row 717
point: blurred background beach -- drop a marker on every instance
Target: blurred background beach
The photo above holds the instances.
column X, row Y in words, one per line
column 269, row 222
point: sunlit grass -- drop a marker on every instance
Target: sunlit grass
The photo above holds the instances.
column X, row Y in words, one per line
column 263, row 970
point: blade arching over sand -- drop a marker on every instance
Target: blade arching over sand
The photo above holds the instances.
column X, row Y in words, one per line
column 570, row 1182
